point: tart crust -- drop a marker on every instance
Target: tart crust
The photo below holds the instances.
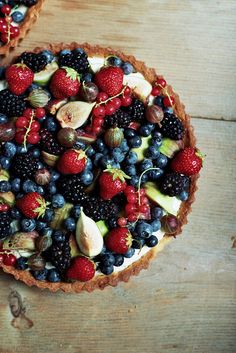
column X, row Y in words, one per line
column 101, row 281
column 30, row 18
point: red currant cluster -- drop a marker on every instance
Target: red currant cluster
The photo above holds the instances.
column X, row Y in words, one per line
column 159, row 88
column 107, row 106
column 27, row 127
column 4, row 207
column 7, row 30
column 6, row 257
column 137, row 206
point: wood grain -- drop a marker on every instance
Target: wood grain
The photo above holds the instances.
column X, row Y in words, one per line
column 190, row 42
column 184, row 303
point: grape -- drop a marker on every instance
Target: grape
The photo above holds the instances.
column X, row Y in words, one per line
column 89, row 91
column 170, row 224
column 67, row 137
column 7, row 131
column 154, row 114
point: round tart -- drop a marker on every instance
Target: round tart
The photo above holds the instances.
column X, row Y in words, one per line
column 98, row 167
column 16, row 19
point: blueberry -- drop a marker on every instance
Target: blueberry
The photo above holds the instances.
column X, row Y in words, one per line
column 40, row 225
column 59, row 236
column 106, row 270
column 144, row 130
column 58, row 201
column 79, row 145
column 107, row 259
column 157, row 134
column 15, row 213
column 70, row 224
column 89, row 164
column 86, row 177
column 64, row 52
column 114, row 60
column 90, row 151
column 5, row 186
column 168, row 110
column 28, row 225
column 40, row 275
column 10, row 149
column 130, row 170
column 159, row 101
column 97, row 159
column 138, row 243
column 135, row 142
column 40, row 190
column 118, row 155
column 76, row 210
column 152, row 152
column 129, row 133
column 156, row 212
column 49, row 55
column 183, row 196
column 144, row 178
column 151, row 241
column 21, row 263
column 78, row 50
column 129, row 253
column 151, row 126
column 156, row 141
column 127, row 68
column 47, row 231
column 111, row 222
column 54, row 175
column 52, row 189
column 29, row 186
column 35, row 153
column 156, row 225
column 100, row 145
column 162, row 161
column 2, row 72
column 155, row 174
column 3, row 118
column 144, row 229
column 21, row 149
column 48, row 215
column 134, row 180
column 17, row 16
column 119, row 260
column 53, row 275
column 5, row 162
column 40, row 165
column 88, row 77
column 105, row 161
column 124, row 146
column 145, row 164
column 50, row 124
column 131, row 158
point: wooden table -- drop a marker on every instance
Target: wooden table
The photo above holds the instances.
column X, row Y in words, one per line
column 185, row 302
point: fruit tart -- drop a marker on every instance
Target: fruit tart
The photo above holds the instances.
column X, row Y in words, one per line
column 16, row 19
column 98, row 167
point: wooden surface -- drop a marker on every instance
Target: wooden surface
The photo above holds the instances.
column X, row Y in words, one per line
column 185, row 302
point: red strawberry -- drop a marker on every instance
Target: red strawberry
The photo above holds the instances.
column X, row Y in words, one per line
column 112, row 181
column 65, row 83
column 32, row 205
column 82, row 269
column 187, row 161
column 19, row 77
column 110, row 80
column 119, row 240
column 72, row 162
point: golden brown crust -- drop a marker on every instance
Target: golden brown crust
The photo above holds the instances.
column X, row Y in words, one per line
column 101, row 281
column 30, row 18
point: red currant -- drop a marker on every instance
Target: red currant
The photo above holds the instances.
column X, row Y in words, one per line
column 97, row 122
column 122, row 221
column 168, row 101
column 143, row 208
column 88, row 129
column 6, row 9
column 102, row 97
column 99, row 111
column 130, row 208
column 33, row 137
column 129, row 190
column 132, row 217
column 19, row 137
column 127, row 91
column 14, row 31
column 161, row 82
column 155, row 91
column 9, row 259
column 3, row 27
column 22, row 122
column 142, row 192
column 110, row 108
column 116, row 102
column 132, row 198
column 40, row 113
column 126, row 101
column 4, row 38
column 4, row 207
column 28, row 113
column 144, row 200
column 96, row 129
column 35, row 126
column 1, row 258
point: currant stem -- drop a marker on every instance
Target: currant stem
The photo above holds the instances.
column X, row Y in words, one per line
column 140, row 180
column 110, row 98
column 28, row 130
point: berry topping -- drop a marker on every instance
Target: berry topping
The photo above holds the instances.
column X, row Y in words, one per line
column 110, row 80
column 119, row 240
column 188, row 161
column 82, row 269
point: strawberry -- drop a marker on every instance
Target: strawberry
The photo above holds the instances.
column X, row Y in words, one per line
column 119, row 240
column 32, row 205
column 72, row 162
column 82, row 269
column 112, row 181
column 187, row 161
column 19, row 77
column 65, row 83
column 110, row 80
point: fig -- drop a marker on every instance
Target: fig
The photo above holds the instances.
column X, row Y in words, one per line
column 74, row 114
column 21, row 241
column 49, row 159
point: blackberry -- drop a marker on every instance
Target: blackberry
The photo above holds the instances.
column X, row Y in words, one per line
column 5, row 225
column 36, row 62
column 173, row 184
column 60, row 255
column 49, row 143
column 10, row 104
column 71, row 188
column 27, row 3
column 119, row 118
column 24, row 166
column 76, row 60
column 98, row 209
column 136, row 110
column 172, row 127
